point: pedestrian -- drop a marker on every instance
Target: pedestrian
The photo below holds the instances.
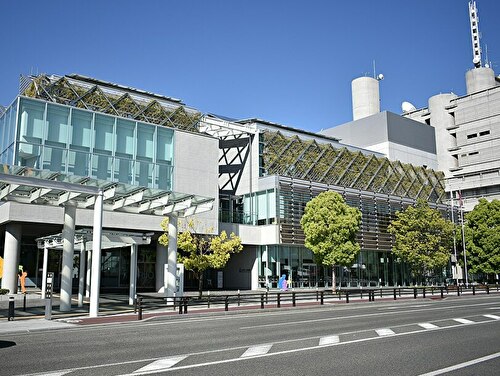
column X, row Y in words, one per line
column 22, row 278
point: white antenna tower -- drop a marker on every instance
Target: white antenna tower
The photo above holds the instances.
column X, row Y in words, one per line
column 474, row 30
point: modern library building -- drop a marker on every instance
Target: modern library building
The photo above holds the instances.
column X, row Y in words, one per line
column 72, row 146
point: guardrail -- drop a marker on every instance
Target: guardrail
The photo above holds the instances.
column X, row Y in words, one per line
column 278, row 299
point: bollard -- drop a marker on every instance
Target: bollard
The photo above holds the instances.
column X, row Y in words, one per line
column 347, row 296
column 262, row 301
column 473, row 290
column 394, row 294
column 226, row 303
column 180, row 306
column 488, row 289
column 10, row 316
column 414, row 293
column 135, row 305
column 24, row 302
column 442, row 293
column 293, row 298
column 139, row 303
column 423, row 292
column 48, row 309
column 239, row 297
column 458, row 290
column 322, row 301
column 267, row 297
column 278, row 302
column 185, row 305
column 208, row 299
column 316, row 294
column 373, row 295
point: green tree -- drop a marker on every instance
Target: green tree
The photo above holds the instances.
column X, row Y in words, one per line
column 482, row 237
column 423, row 238
column 200, row 252
column 330, row 227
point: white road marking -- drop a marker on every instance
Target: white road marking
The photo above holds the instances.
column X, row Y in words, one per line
column 385, row 332
column 427, row 325
column 462, row 365
column 328, row 340
column 464, row 321
column 161, row 364
column 256, row 351
column 495, row 317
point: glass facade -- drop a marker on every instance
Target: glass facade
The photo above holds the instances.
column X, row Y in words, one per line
column 258, row 208
column 84, row 143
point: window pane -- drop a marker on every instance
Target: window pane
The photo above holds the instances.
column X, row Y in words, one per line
column 144, row 174
column 81, row 123
column 78, row 163
column 125, row 138
column 145, row 142
column 101, row 166
column 123, row 170
column 54, row 159
column 164, row 147
column 31, row 127
column 57, row 118
column 104, row 134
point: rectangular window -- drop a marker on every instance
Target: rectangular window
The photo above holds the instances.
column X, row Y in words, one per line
column 125, row 138
column 81, row 125
column 484, row 133
column 57, row 122
column 145, row 147
column 473, row 135
column 103, row 130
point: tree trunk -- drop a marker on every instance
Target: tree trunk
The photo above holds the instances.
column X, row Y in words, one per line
column 333, row 279
column 200, row 284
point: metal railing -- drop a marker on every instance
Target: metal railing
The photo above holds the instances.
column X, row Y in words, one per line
column 279, row 299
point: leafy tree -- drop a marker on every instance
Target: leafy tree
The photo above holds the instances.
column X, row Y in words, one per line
column 201, row 251
column 422, row 238
column 482, row 237
column 330, row 227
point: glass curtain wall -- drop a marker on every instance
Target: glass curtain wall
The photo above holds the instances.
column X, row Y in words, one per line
column 84, row 143
column 8, row 133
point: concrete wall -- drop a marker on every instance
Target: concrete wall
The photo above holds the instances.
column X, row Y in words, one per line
column 399, row 138
column 241, row 269
column 196, row 171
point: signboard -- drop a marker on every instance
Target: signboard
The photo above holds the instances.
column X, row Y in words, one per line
column 220, row 279
column 49, row 285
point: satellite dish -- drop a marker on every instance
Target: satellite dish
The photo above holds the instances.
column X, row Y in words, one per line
column 380, row 77
column 407, row 107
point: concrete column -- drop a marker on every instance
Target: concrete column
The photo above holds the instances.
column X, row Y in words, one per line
column 12, row 246
column 172, row 255
column 81, row 274
column 68, row 235
column 87, row 277
column 161, row 261
column 134, row 249
column 96, row 257
column 44, row 269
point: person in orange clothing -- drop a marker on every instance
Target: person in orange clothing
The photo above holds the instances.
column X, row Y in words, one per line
column 22, row 278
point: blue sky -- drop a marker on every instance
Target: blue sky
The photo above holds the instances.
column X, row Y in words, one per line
column 286, row 61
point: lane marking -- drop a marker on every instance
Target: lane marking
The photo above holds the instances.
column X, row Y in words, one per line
column 428, row 325
column 461, row 365
column 256, row 351
column 309, row 321
column 464, row 321
column 284, row 352
column 161, row 364
column 328, row 340
column 495, row 317
column 385, row 332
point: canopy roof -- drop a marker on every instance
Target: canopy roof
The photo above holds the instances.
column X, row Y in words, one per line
column 31, row 186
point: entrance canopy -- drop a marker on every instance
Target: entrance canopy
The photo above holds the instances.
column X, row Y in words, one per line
column 109, row 239
column 31, row 186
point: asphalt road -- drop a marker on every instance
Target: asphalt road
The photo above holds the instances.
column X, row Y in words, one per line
column 378, row 338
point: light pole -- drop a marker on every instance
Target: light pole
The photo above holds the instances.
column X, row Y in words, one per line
column 463, row 238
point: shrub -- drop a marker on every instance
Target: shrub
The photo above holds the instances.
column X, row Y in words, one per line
column 4, row 291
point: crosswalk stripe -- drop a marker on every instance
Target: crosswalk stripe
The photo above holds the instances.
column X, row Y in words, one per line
column 495, row 317
column 384, row 332
column 164, row 363
column 464, row 321
column 256, row 350
column 329, row 340
column 427, row 325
